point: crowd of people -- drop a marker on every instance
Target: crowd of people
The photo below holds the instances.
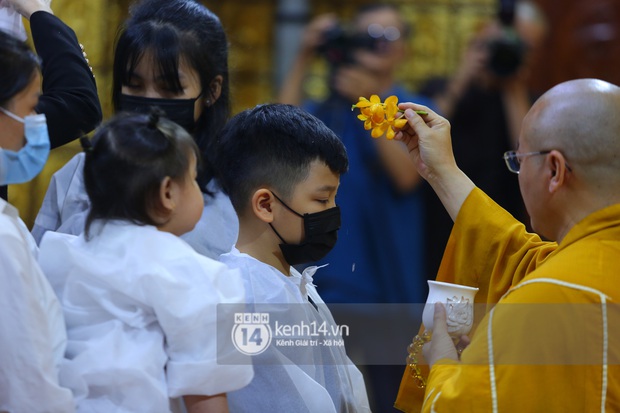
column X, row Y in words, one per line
column 155, row 247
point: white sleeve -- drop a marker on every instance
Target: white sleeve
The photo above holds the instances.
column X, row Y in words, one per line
column 186, row 307
column 48, row 218
column 28, row 373
column 65, row 197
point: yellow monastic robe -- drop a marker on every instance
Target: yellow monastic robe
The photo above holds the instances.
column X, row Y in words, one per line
column 551, row 344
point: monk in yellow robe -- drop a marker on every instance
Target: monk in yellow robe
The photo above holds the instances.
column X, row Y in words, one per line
column 552, row 342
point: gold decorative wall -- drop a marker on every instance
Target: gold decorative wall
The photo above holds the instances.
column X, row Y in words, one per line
column 440, row 29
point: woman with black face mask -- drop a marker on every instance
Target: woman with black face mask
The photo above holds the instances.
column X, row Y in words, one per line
column 172, row 54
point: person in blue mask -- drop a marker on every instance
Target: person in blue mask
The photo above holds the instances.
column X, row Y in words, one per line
column 32, row 329
column 69, row 94
column 172, row 55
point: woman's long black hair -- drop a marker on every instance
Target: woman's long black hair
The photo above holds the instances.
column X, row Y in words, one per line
column 174, row 31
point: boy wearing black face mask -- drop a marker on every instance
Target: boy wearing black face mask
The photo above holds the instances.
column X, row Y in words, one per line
column 281, row 168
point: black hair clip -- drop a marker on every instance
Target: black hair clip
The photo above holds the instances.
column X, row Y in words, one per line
column 87, row 146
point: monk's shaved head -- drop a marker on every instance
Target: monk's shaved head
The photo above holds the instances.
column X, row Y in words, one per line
column 580, row 118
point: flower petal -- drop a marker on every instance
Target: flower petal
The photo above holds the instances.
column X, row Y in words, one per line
column 390, row 112
column 390, row 107
column 378, row 114
column 362, row 104
column 392, row 100
column 399, row 123
column 376, row 132
column 379, row 130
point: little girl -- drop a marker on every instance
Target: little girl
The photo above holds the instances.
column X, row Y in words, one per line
column 139, row 302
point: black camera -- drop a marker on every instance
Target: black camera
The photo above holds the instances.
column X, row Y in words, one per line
column 339, row 45
column 507, row 51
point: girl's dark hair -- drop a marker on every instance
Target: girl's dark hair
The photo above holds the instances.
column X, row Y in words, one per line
column 174, row 31
column 126, row 162
column 19, row 65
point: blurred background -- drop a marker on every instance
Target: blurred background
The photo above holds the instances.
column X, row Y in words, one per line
column 583, row 41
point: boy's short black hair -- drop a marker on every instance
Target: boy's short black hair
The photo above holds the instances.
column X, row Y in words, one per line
column 130, row 156
column 273, row 145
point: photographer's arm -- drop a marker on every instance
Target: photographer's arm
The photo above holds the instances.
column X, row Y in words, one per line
column 398, row 165
column 471, row 65
column 291, row 91
column 516, row 104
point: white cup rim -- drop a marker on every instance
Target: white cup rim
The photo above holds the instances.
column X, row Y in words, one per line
column 464, row 287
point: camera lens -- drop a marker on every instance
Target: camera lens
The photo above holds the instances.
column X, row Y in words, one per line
column 506, row 54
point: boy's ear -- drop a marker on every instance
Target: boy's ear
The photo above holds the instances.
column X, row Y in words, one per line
column 262, row 203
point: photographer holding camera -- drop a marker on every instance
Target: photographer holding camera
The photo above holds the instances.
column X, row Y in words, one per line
column 379, row 254
column 490, row 84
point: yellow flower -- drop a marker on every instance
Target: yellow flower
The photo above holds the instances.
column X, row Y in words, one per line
column 380, row 117
column 371, row 112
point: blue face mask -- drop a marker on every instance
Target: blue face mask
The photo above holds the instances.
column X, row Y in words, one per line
column 23, row 165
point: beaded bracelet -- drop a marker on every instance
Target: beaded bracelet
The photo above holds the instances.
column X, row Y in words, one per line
column 412, row 359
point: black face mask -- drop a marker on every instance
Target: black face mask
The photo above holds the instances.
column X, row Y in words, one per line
column 321, row 234
column 180, row 111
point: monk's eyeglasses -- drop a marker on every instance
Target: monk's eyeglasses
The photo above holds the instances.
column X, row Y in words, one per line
column 513, row 159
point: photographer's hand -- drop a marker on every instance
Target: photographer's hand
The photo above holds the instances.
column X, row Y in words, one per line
column 291, row 91
column 315, row 33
